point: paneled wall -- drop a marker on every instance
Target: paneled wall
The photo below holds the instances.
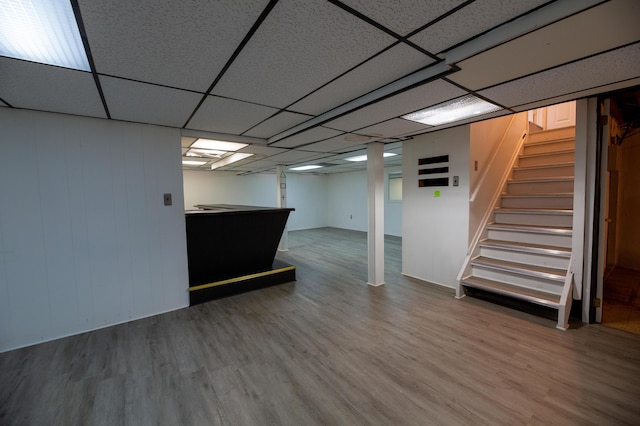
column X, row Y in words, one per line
column 85, row 240
column 435, row 220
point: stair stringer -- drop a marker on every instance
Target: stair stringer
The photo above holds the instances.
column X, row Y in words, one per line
column 481, row 233
column 566, row 299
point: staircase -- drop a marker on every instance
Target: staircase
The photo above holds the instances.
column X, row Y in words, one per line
column 525, row 251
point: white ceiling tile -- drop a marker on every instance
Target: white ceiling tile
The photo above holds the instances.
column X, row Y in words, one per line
column 393, row 128
column 186, row 141
column 403, row 16
column 179, row 44
column 580, row 94
column 607, row 68
column 147, row 103
column 292, row 156
column 597, row 29
column 262, row 150
column 306, row 137
column 228, row 116
column 420, row 97
column 384, row 68
column 47, row 88
column 468, row 22
column 300, row 46
column 277, row 124
column 336, row 144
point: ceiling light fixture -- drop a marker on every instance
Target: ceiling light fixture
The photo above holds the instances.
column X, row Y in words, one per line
column 453, row 110
column 209, row 153
column 218, row 145
column 43, row 31
column 193, row 163
column 303, row 168
column 230, row 159
column 364, row 157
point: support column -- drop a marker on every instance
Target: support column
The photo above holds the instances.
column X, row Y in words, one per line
column 281, row 181
column 375, row 197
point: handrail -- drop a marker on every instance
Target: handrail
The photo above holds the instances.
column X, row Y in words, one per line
column 485, row 172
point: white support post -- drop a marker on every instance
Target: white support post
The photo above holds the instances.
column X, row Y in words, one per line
column 281, row 181
column 375, row 196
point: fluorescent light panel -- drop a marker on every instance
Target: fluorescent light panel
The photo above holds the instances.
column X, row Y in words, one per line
column 454, row 110
column 43, row 31
column 230, row 159
column 211, row 153
column 303, row 168
column 193, row 163
column 364, row 157
column 218, row 145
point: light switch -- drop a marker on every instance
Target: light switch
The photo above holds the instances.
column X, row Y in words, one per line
column 167, row 199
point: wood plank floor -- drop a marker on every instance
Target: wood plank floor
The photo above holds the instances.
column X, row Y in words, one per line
column 330, row 350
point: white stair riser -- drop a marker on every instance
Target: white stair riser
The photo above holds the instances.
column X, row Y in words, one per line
column 539, row 148
column 525, row 257
column 543, row 172
column 534, row 219
column 559, row 240
column 552, row 187
column 549, row 135
column 561, row 157
column 542, row 284
column 540, row 202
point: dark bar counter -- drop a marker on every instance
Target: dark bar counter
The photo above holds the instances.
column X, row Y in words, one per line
column 232, row 248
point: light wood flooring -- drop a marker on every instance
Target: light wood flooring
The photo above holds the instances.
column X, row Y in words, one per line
column 330, row 350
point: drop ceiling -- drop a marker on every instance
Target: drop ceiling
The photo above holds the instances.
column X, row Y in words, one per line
column 313, row 81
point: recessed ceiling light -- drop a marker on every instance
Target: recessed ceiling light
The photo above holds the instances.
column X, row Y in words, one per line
column 230, row 159
column 364, row 157
column 454, row 110
column 302, row 168
column 43, row 31
column 211, row 153
column 193, row 163
column 218, row 145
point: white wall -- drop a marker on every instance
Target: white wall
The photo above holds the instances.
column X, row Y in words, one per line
column 85, row 240
column 347, row 201
column 306, row 193
column 435, row 229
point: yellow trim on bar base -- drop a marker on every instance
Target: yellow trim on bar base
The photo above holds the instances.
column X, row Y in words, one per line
column 242, row 278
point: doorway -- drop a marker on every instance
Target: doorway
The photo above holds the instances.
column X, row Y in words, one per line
column 621, row 244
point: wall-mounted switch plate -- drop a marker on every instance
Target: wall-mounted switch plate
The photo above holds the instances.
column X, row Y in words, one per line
column 167, row 199
column 456, row 181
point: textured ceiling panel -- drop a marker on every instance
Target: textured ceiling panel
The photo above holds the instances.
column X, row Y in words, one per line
column 403, row 16
column 393, row 128
column 262, row 150
column 48, row 88
column 147, row 103
column 384, row 68
column 409, row 101
column 581, row 94
column 277, row 124
column 300, row 46
column 291, row 156
column 228, row 116
column 612, row 67
column 337, row 144
column 182, row 44
column 308, row 136
column 601, row 28
column 468, row 22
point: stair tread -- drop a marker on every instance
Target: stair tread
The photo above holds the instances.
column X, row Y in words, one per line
column 550, row 141
column 533, row 210
column 541, row 154
column 528, row 247
column 555, row 274
column 543, row 179
column 544, row 166
column 532, row 228
column 523, row 293
column 538, row 195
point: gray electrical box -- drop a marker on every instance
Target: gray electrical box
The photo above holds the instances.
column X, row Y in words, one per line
column 455, row 181
column 167, row 199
